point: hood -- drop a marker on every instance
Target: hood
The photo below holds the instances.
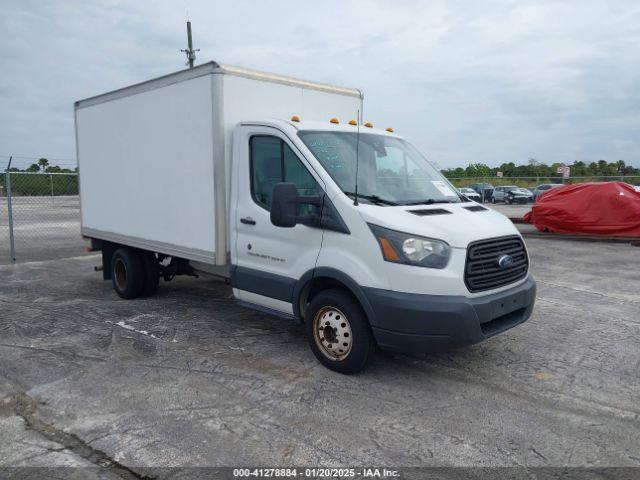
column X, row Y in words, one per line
column 458, row 228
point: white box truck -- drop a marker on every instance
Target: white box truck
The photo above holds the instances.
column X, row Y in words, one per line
column 277, row 184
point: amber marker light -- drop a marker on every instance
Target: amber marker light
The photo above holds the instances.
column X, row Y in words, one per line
column 388, row 251
column 334, row 120
column 295, row 118
column 368, row 125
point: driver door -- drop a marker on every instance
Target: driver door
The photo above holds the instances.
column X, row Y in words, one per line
column 267, row 261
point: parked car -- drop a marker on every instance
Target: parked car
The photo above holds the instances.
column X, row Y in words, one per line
column 592, row 208
column 529, row 194
column 540, row 189
column 485, row 190
column 510, row 194
column 470, row 193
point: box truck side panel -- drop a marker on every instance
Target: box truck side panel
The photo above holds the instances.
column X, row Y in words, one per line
column 322, row 106
column 146, row 169
column 247, row 99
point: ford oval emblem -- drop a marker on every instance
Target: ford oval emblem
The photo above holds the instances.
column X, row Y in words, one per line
column 505, row 261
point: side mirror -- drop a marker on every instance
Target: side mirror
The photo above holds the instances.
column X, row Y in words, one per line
column 284, row 206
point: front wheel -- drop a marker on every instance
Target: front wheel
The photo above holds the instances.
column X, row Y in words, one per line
column 338, row 332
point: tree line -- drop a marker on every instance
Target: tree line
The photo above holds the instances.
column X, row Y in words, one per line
column 43, row 166
column 40, row 185
column 534, row 168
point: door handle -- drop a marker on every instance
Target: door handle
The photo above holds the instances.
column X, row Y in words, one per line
column 248, row 221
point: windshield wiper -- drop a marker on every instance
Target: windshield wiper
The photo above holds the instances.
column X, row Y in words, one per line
column 428, row 201
column 372, row 198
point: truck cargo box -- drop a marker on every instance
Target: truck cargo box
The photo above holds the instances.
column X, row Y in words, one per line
column 153, row 157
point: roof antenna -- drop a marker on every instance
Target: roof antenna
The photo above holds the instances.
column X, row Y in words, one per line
column 355, row 196
column 191, row 53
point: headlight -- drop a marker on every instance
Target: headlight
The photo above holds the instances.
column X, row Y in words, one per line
column 398, row 247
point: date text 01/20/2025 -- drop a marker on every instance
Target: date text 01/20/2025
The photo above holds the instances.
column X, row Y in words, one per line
column 315, row 472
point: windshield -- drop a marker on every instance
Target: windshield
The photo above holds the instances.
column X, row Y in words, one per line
column 390, row 170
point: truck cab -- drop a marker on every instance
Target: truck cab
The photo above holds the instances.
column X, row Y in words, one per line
column 406, row 263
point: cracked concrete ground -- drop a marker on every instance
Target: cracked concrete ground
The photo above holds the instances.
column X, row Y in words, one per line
column 188, row 378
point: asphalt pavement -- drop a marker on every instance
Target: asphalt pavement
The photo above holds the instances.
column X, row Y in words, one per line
column 189, row 378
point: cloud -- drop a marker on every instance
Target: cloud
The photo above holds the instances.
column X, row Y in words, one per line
column 466, row 81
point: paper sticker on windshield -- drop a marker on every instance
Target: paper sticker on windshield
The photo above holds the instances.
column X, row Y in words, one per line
column 443, row 188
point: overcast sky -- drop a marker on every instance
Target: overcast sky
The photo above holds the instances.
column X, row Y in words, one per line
column 467, row 81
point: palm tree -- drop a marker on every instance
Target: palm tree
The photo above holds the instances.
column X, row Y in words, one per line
column 43, row 162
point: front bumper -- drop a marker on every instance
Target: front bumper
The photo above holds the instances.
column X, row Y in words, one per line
column 408, row 322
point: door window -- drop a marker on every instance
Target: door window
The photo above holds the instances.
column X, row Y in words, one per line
column 272, row 161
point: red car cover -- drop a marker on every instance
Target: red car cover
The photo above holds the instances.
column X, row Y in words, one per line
column 608, row 208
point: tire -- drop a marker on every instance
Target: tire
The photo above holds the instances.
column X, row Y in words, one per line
column 151, row 273
column 127, row 273
column 509, row 200
column 334, row 315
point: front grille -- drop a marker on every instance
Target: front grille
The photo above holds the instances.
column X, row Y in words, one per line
column 482, row 271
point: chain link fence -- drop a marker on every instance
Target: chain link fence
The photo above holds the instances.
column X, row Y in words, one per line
column 533, row 182
column 39, row 216
column 40, row 219
column 484, row 185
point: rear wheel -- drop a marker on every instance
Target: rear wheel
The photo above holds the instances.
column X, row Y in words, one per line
column 127, row 273
column 338, row 332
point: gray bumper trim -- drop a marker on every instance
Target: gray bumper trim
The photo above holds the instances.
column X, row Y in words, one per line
column 423, row 323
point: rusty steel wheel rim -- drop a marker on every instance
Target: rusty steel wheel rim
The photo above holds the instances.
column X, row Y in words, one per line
column 120, row 274
column 332, row 333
